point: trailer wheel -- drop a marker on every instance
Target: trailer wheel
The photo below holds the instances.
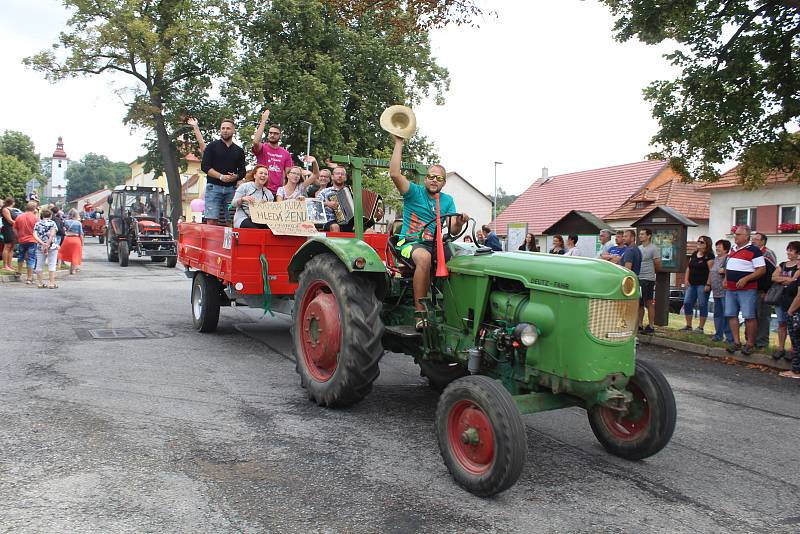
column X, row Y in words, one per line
column 124, row 253
column 481, row 435
column 205, row 302
column 172, row 261
column 440, row 374
column 111, row 251
column 337, row 330
column 649, row 422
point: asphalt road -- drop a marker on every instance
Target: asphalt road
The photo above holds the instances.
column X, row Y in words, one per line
column 181, row 431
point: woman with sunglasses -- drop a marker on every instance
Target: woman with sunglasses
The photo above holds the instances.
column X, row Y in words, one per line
column 698, row 283
column 294, row 185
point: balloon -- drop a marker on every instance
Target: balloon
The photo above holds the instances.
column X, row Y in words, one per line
column 198, row 205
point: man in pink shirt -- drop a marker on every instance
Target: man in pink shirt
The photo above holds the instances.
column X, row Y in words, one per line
column 276, row 158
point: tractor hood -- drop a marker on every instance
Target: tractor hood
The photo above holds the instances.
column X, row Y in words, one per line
column 148, row 226
column 568, row 275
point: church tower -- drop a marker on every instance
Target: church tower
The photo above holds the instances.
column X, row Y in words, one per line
column 56, row 189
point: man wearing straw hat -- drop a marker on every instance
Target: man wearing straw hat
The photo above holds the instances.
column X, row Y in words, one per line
column 419, row 207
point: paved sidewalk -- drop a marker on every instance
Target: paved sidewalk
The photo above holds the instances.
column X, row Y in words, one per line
column 715, row 352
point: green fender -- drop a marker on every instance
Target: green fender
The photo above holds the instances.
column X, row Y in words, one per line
column 346, row 249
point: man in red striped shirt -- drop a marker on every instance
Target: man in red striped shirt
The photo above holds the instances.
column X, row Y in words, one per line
column 744, row 266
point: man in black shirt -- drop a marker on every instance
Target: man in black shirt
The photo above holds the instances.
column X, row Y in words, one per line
column 223, row 163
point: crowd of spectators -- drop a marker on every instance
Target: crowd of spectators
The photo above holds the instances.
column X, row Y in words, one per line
column 42, row 237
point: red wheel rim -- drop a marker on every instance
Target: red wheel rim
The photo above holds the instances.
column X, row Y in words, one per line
column 629, row 426
column 321, row 329
column 471, row 437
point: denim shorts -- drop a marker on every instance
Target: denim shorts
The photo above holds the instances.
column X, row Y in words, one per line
column 218, row 198
column 30, row 250
column 741, row 300
column 783, row 317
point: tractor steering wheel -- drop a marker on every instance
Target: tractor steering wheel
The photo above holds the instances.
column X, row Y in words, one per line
column 446, row 235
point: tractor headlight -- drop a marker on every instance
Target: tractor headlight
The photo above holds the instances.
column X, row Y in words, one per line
column 526, row 334
column 628, row 286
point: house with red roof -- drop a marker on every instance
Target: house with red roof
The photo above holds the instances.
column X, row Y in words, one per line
column 619, row 195
column 773, row 209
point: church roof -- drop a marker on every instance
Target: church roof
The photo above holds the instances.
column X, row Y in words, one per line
column 59, row 152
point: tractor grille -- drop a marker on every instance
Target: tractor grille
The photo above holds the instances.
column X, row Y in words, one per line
column 613, row 320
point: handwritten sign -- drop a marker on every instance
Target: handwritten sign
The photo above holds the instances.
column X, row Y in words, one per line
column 290, row 217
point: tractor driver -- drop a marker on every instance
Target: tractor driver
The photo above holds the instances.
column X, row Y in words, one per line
column 138, row 206
column 419, row 207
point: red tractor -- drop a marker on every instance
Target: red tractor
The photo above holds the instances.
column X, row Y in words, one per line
column 93, row 222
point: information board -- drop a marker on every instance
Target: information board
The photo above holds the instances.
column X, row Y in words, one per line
column 667, row 241
column 516, row 235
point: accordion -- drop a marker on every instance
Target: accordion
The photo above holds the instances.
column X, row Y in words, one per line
column 370, row 201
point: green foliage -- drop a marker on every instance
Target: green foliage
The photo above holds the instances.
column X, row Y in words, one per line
column 94, row 172
column 504, row 200
column 20, row 146
column 299, row 60
column 14, row 174
column 738, row 94
column 169, row 51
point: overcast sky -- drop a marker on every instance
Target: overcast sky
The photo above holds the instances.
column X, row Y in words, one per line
column 543, row 84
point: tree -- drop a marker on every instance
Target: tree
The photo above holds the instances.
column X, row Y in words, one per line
column 410, row 15
column 94, row 172
column 169, row 50
column 305, row 65
column 504, row 200
column 14, row 174
column 20, row 146
column 738, row 94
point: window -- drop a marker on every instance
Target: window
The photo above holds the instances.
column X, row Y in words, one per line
column 640, row 205
column 789, row 215
column 744, row 216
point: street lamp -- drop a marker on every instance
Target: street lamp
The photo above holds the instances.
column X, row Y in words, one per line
column 494, row 204
column 308, row 142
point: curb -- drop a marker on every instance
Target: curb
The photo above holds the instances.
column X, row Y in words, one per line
column 716, row 352
column 10, row 278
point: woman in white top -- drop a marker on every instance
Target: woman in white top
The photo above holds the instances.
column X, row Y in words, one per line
column 294, row 186
column 572, row 246
column 250, row 192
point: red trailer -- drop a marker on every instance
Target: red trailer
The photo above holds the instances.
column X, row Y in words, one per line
column 237, row 265
column 94, row 228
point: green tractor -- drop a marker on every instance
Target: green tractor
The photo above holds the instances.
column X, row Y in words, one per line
column 507, row 334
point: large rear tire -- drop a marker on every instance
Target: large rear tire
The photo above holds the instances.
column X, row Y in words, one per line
column 205, row 302
column 648, row 424
column 337, row 330
column 111, row 250
column 481, row 435
column 123, row 252
column 172, row 261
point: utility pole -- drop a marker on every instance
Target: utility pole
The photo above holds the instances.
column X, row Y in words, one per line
column 308, row 141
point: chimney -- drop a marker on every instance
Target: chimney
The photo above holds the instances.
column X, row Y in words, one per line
column 545, row 175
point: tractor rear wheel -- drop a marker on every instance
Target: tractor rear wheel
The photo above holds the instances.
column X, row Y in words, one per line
column 205, row 302
column 481, row 435
column 440, row 374
column 337, row 330
column 648, row 424
column 123, row 252
column 172, row 261
column 111, row 250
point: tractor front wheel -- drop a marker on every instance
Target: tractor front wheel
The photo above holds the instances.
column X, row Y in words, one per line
column 111, row 250
column 481, row 435
column 337, row 330
column 172, row 261
column 205, row 302
column 124, row 253
column 647, row 425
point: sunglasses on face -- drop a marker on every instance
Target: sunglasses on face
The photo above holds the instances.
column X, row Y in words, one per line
column 439, row 179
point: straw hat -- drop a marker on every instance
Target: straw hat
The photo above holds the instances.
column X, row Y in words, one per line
column 399, row 121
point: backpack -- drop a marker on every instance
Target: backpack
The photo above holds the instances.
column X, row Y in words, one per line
column 765, row 282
